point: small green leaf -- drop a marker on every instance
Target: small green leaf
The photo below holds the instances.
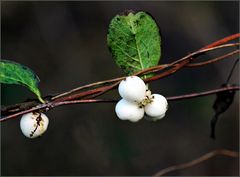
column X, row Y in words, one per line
column 134, row 42
column 15, row 73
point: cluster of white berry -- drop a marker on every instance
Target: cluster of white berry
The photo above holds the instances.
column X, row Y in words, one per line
column 137, row 99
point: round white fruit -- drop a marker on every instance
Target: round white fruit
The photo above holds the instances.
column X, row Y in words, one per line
column 132, row 89
column 158, row 107
column 126, row 110
column 33, row 124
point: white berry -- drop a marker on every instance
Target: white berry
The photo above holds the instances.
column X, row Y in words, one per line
column 132, row 89
column 33, row 124
column 126, row 110
column 157, row 107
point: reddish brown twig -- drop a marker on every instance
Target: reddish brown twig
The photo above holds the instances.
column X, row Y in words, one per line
column 173, row 67
column 199, row 160
column 50, row 105
column 169, row 72
column 182, row 62
column 213, row 60
column 190, row 56
column 84, row 94
column 210, row 92
column 87, row 86
column 95, row 89
column 222, row 41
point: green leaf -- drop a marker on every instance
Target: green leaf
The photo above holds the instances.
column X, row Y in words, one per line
column 134, row 42
column 15, row 73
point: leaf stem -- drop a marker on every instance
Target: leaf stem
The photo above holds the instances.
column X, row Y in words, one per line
column 40, row 99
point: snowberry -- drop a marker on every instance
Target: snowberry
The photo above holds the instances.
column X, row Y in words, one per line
column 132, row 89
column 126, row 110
column 157, row 107
column 33, row 124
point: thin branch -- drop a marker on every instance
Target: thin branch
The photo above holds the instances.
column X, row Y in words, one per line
column 90, row 92
column 98, row 88
column 83, row 94
column 213, row 60
column 50, row 105
column 197, row 161
column 88, row 86
column 189, row 56
column 149, row 70
column 170, row 71
column 231, row 72
column 223, row 41
column 84, row 101
column 210, row 92
column 177, row 65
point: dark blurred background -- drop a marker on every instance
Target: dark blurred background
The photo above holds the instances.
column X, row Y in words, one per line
column 65, row 44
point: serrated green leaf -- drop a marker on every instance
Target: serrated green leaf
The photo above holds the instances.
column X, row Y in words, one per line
column 15, row 73
column 134, row 42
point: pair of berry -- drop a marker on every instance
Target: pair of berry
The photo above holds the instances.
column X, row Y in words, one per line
column 137, row 99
